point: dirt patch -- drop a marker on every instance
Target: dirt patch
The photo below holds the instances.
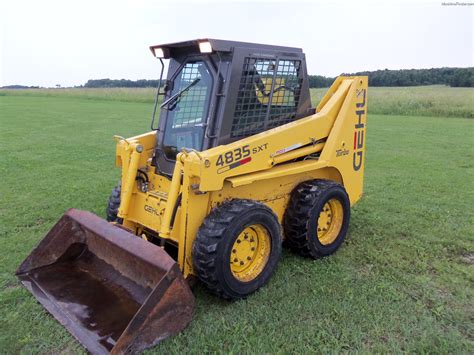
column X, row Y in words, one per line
column 468, row 258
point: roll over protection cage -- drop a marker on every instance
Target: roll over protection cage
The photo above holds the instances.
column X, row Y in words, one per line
column 238, row 107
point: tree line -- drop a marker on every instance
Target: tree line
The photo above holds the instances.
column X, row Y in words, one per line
column 122, row 83
column 455, row 77
column 19, row 87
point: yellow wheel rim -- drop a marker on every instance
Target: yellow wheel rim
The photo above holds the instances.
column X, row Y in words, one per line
column 330, row 221
column 250, row 253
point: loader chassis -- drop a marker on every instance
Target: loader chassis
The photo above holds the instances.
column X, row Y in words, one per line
column 237, row 161
column 264, row 167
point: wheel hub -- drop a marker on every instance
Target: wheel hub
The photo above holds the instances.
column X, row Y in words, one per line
column 330, row 221
column 250, row 252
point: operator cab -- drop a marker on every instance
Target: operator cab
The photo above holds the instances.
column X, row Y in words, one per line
column 217, row 92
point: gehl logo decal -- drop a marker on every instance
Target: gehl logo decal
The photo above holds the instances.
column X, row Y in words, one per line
column 151, row 210
column 359, row 131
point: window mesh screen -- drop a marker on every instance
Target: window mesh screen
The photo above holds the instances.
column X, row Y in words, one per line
column 257, row 109
column 187, row 112
column 191, row 106
column 286, row 93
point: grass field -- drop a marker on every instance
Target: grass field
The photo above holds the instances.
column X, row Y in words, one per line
column 403, row 281
column 436, row 100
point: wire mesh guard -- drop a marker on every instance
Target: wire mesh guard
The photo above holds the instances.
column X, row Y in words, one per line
column 190, row 109
column 268, row 95
column 186, row 120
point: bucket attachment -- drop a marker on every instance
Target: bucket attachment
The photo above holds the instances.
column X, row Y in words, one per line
column 113, row 291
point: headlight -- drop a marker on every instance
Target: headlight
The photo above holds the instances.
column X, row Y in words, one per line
column 205, row 47
column 161, row 52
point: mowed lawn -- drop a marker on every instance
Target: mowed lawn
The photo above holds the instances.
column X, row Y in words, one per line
column 403, row 281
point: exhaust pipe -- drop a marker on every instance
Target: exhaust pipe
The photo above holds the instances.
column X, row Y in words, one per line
column 113, row 291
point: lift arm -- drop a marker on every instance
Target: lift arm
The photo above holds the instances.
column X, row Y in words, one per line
column 265, row 150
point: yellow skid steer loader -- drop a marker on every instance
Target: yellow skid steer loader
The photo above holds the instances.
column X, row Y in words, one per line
column 237, row 162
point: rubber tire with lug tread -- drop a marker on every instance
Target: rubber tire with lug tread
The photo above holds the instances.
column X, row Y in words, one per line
column 214, row 242
column 301, row 217
column 114, row 204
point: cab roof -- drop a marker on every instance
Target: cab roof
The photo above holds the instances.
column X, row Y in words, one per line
column 219, row 45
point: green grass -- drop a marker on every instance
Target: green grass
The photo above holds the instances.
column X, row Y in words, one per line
column 435, row 101
column 401, row 282
column 144, row 95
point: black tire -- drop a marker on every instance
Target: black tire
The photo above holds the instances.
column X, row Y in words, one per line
column 114, row 204
column 302, row 216
column 214, row 243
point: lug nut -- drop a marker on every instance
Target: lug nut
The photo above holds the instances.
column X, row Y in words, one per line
column 238, row 241
column 249, row 258
column 253, row 249
column 234, row 251
column 241, row 263
column 235, row 260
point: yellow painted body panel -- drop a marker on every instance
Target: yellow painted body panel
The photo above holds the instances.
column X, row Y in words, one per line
column 261, row 167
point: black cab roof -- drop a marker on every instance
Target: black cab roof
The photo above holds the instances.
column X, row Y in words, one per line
column 219, row 45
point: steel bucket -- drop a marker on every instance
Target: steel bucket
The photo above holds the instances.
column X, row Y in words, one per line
column 113, row 291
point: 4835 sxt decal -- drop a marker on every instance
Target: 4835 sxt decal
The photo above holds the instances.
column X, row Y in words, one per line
column 237, row 157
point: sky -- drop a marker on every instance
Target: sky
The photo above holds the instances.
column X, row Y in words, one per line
column 53, row 42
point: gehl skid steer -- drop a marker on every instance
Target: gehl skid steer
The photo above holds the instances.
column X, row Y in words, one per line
column 237, row 163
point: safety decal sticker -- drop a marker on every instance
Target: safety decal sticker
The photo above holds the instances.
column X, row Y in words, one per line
column 287, row 149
